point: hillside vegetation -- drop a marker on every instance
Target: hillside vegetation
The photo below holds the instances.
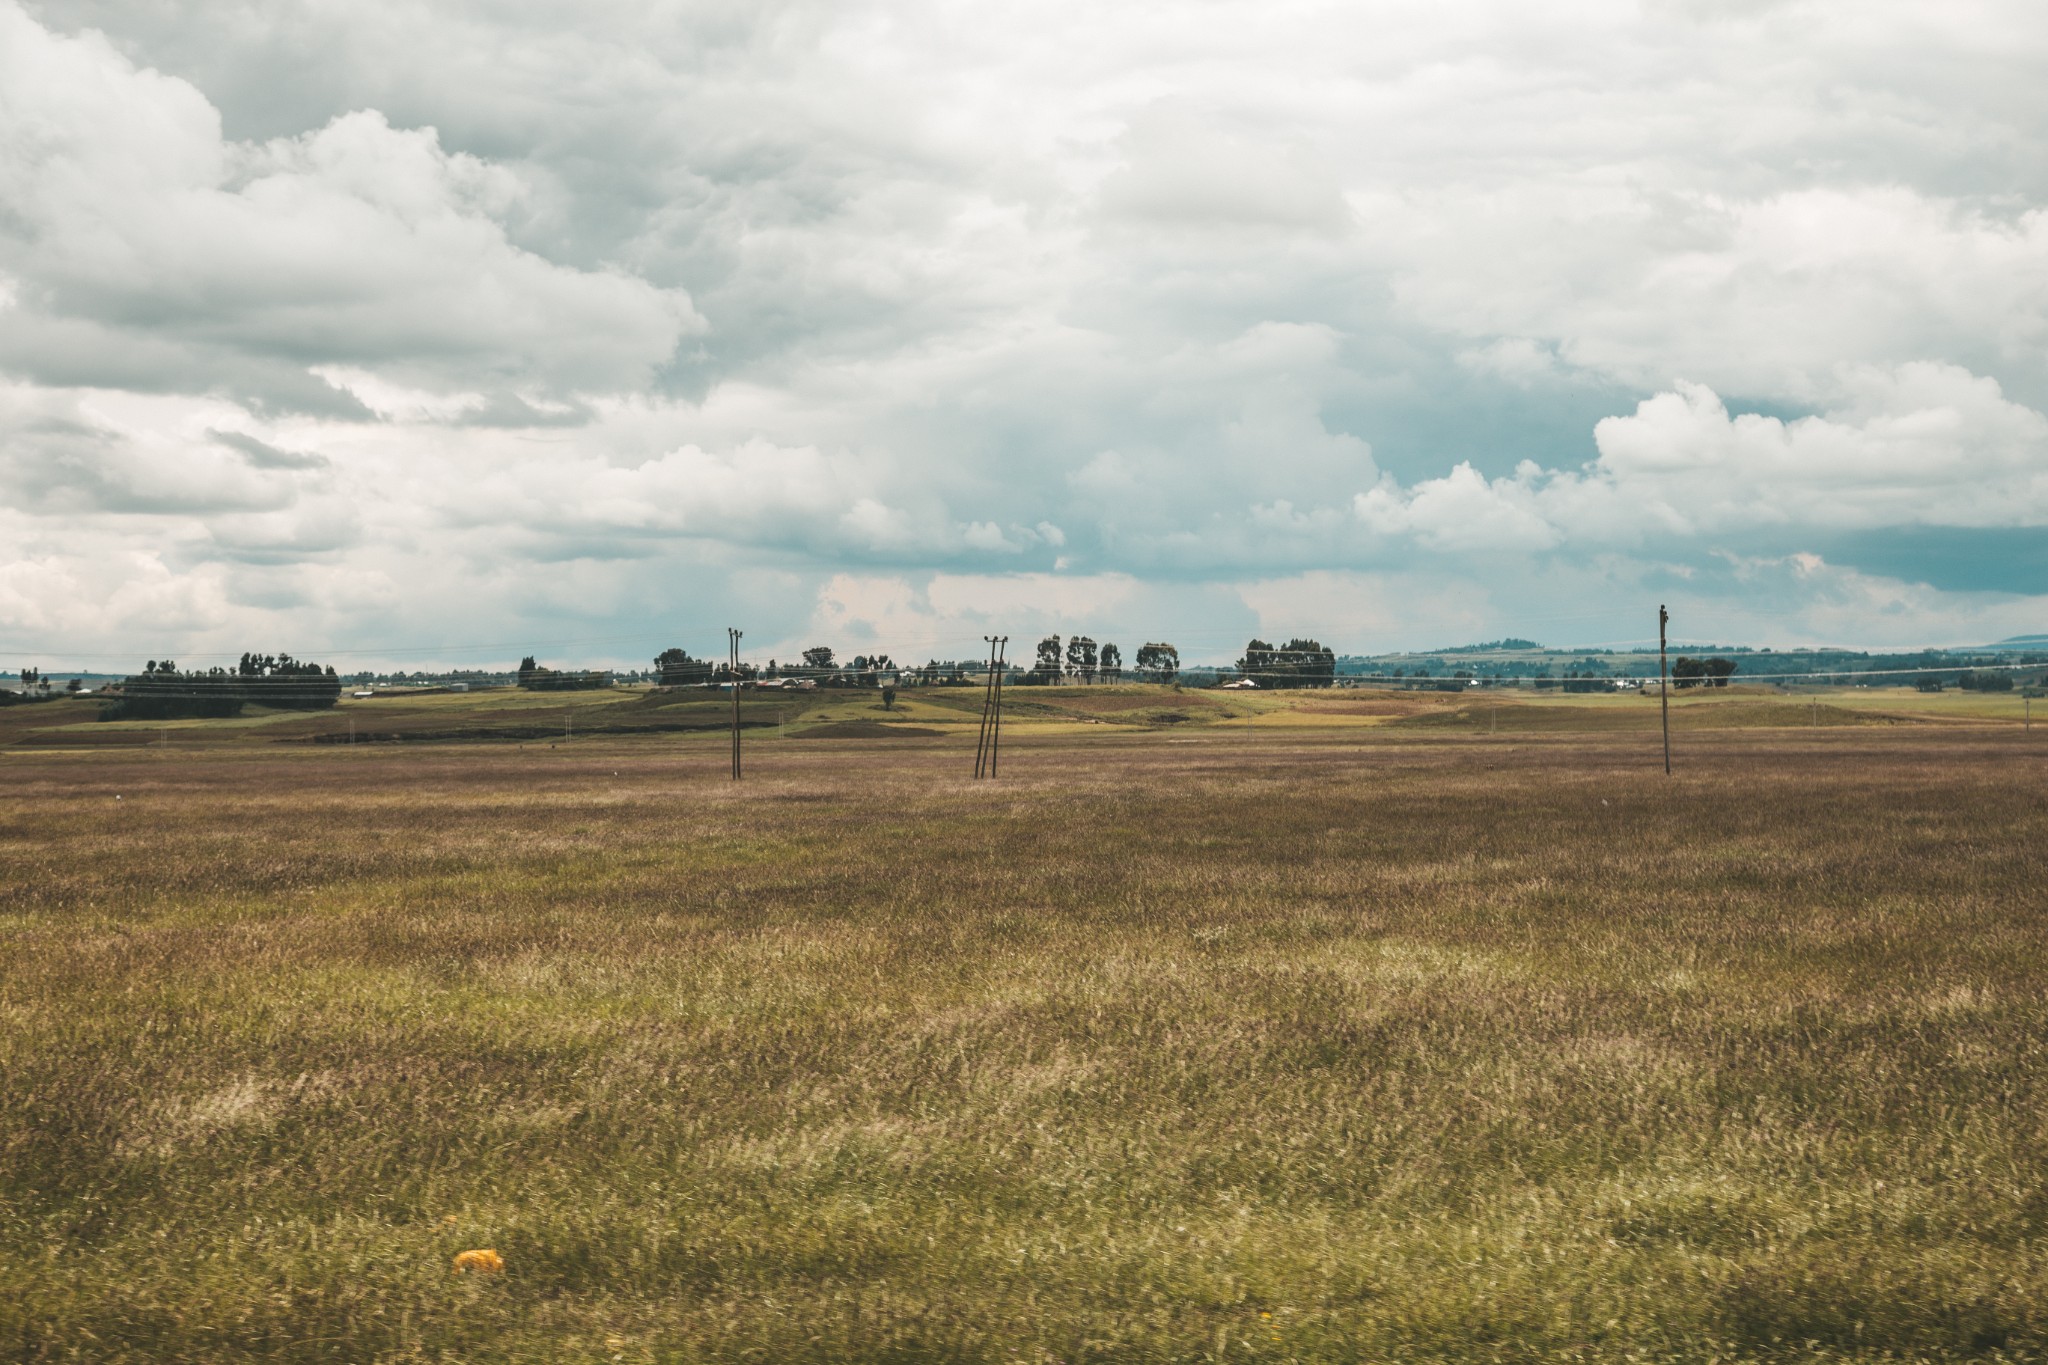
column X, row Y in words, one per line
column 518, row 716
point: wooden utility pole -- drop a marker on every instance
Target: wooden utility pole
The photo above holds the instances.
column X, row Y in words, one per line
column 733, row 673
column 988, row 710
column 1664, row 685
column 991, row 709
column 996, row 733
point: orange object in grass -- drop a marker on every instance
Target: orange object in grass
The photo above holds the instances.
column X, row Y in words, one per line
column 487, row 1261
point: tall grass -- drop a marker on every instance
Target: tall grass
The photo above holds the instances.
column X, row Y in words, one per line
column 1301, row 1048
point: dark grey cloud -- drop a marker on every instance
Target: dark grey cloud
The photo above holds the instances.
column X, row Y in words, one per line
column 1997, row 559
column 262, row 455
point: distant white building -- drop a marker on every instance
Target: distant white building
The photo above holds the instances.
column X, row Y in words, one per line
column 1240, row 685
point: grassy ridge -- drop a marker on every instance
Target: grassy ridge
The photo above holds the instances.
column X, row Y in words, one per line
column 1321, row 1045
column 508, row 715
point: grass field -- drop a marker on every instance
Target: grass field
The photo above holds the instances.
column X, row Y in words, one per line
column 508, row 714
column 1332, row 1028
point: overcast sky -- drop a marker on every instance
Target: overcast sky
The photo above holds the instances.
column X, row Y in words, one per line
column 402, row 332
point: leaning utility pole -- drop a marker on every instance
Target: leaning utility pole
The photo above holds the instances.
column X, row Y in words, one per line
column 991, row 709
column 733, row 673
column 1664, row 686
column 988, row 709
column 995, row 739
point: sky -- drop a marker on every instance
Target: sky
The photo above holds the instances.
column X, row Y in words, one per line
column 408, row 334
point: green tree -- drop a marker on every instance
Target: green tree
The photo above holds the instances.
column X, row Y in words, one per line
column 818, row 658
column 161, row 692
column 280, row 681
column 1308, row 663
column 1047, row 667
column 1081, row 659
column 1686, row 672
column 675, row 668
column 1158, row 662
column 1298, row 663
column 537, row 679
column 1112, row 662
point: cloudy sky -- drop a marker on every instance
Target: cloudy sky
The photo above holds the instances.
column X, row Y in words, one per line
column 407, row 332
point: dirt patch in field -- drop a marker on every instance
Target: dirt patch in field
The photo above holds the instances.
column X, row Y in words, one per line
column 1743, row 714
column 1380, row 705
column 1083, row 702
column 866, row 729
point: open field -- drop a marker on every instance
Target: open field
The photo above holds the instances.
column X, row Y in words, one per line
column 509, row 715
column 1375, row 1027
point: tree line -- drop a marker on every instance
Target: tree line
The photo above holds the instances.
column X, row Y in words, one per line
column 534, row 678
column 1080, row 659
column 675, row 668
column 1056, row 659
column 1713, row 672
column 1298, row 663
column 1972, row 681
column 163, row 691
column 36, row 687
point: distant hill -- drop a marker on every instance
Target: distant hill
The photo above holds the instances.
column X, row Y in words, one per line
column 1511, row 659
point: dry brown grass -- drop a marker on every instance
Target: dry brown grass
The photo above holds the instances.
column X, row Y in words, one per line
column 1321, row 1046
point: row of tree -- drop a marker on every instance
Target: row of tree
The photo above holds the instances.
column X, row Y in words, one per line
column 162, row 691
column 1079, row 658
column 1083, row 660
column 1713, row 672
column 1973, row 681
column 36, row 687
column 1298, row 663
column 534, row 678
column 675, row 668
